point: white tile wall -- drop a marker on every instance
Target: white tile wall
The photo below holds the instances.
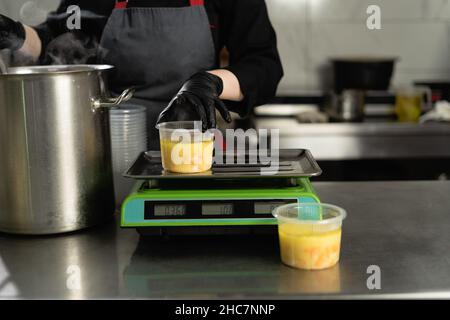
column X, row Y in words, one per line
column 290, row 16
column 404, row 77
column 424, row 46
column 355, row 10
column 437, row 10
column 416, row 31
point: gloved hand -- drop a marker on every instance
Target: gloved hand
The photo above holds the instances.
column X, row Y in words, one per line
column 197, row 100
column 12, row 33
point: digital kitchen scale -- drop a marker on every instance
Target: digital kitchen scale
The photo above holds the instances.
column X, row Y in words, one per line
column 229, row 199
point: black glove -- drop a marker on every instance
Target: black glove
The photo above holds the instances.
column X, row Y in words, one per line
column 197, row 100
column 12, row 34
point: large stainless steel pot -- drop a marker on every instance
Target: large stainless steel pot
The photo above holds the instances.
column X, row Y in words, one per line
column 55, row 165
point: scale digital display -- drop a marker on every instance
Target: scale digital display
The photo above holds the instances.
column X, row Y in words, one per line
column 218, row 209
column 267, row 207
column 212, row 209
column 169, row 210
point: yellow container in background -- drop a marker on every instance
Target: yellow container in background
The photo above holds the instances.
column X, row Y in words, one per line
column 410, row 102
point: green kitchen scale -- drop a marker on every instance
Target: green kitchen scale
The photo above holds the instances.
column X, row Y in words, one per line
column 231, row 198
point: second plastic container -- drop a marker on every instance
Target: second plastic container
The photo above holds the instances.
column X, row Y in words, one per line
column 128, row 129
column 309, row 244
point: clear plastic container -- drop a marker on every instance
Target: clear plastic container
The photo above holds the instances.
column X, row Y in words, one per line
column 306, row 243
column 185, row 148
column 128, row 129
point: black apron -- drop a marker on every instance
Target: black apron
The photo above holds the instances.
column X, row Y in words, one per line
column 156, row 50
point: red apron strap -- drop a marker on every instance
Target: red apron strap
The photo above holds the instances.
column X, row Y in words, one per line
column 121, row 4
column 197, row 3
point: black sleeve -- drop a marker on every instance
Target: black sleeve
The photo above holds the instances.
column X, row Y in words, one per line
column 94, row 15
column 251, row 41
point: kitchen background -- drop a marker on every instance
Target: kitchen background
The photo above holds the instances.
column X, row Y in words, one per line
column 310, row 32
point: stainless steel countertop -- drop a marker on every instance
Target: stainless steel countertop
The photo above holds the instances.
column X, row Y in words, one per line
column 403, row 227
column 354, row 141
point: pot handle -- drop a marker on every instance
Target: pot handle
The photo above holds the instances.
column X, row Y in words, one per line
column 126, row 95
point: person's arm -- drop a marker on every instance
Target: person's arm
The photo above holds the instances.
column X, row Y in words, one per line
column 197, row 100
column 231, row 87
column 12, row 33
column 254, row 60
column 251, row 79
column 32, row 41
column 28, row 40
column 32, row 46
column 94, row 15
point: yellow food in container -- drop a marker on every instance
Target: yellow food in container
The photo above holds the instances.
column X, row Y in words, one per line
column 185, row 148
column 187, row 157
column 309, row 250
column 309, row 244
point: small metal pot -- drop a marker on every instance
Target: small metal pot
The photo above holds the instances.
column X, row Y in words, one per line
column 345, row 107
column 55, row 170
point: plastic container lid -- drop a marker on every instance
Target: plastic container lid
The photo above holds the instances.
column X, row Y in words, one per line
column 305, row 214
column 182, row 128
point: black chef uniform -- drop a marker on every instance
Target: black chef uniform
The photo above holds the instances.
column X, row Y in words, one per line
column 156, row 45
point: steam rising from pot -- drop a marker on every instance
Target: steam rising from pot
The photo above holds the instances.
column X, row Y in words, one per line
column 32, row 13
column 3, row 68
column 72, row 47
